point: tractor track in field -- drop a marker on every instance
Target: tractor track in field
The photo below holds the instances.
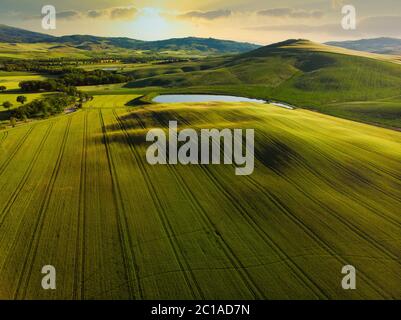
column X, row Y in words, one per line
column 4, row 137
column 347, row 143
column 360, row 178
column 313, row 236
column 79, row 280
column 123, row 229
column 179, row 256
column 347, row 223
column 10, row 202
column 33, row 244
column 342, row 168
column 338, row 217
column 332, row 185
column 386, row 171
column 6, row 162
column 208, row 223
column 297, row 270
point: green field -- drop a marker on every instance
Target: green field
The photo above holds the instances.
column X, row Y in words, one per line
column 11, row 81
column 77, row 193
column 12, row 97
column 299, row 72
column 111, row 101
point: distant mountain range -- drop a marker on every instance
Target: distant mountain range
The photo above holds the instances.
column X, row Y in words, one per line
column 377, row 45
column 86, row 42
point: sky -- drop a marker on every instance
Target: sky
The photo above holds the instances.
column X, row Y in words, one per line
column 257, row 21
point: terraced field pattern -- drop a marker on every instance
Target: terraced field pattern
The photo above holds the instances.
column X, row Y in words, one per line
column 78, row 193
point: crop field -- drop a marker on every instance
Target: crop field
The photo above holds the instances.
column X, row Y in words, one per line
column 111, row 101
column 12, row 81
column 78, row 193
column 12, row 97
column 113, row 66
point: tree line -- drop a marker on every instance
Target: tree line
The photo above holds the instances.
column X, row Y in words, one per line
column 71, row 79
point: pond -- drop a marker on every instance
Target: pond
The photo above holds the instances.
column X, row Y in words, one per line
column 177, row 98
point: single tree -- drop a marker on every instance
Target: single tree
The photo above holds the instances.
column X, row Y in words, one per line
column 21, row 99
column 7, row 104
column 13, row 122
column 3, row 88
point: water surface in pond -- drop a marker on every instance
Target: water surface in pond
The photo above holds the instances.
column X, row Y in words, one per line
column 176, row 98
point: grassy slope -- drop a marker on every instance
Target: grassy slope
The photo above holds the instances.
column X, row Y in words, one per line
column 305, row 74
column 12, row 81
column 78, row 194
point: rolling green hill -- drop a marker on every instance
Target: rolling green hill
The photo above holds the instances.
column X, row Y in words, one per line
column 84, row 43
column 299, row 72
column 376, row 45
column 77, row 192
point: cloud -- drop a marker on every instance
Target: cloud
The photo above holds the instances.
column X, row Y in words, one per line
column 119, row 13
column 330, row 29
column 96, row 13
column 114, row 13
column 381, row 26
column 291, row 13
column 208, row 15
column 376, row 26
column 126, row 13
column 69, row 15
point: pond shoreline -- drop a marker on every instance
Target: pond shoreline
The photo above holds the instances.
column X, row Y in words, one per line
column 188, row 98
column 204, row 97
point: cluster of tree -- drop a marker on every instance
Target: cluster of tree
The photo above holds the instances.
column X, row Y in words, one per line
column 74, row 77
column 42, row 66
column 20, row 99
column 77, row 77
column 38, row 85
column 50, row 105
column 42, row 108
column 172, row 60
column 59, row 66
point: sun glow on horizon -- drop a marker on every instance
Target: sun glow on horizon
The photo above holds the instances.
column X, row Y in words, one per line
column 152, row 24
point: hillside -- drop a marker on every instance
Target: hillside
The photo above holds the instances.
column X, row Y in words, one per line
column 77, row 191
column 15, row 35
column 92, row 43
column 296, row 71
column 376, row 45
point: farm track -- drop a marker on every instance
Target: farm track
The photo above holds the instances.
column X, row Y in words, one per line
column 33, row 244
column 6, row 162
column 308, row 281
column 323, row 244
column 343, row 168
column 179, row 256
column 25, row 177
column 316, row 238
column 346, row 222
column 79, row 280
column 363, row 180
column 335, row 187
column 208, row 223
column 98, row 209
column 123, row 229
column 298, row 272
column 3, row 138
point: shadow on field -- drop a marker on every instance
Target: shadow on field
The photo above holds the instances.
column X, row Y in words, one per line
column 275, row 154
column 269, row 151
column 5, row 115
